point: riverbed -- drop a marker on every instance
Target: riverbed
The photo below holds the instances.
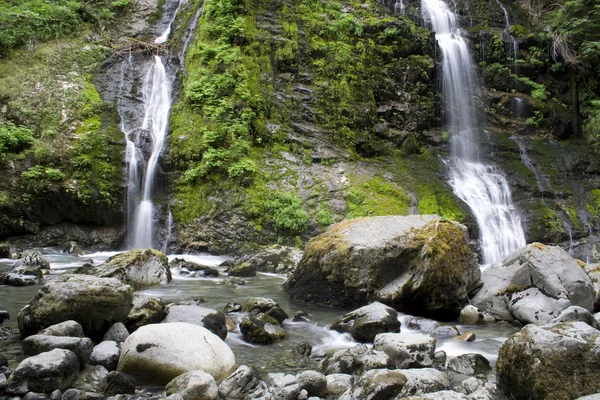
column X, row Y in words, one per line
column 217, row 292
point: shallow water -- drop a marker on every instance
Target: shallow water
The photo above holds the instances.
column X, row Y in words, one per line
column 217, row 293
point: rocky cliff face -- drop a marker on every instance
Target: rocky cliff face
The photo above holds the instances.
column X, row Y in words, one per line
column 294, row 115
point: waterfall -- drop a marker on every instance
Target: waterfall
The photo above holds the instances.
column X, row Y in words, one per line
column 146, row 127
column 507, row 30
column 481, row 186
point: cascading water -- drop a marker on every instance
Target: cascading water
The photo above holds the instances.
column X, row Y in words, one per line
column 483, row 187
column 145, row 124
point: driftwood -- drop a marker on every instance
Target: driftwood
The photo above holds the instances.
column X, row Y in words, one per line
column 138, row 46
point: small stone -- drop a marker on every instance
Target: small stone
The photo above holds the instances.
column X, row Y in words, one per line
column 467, row 337
column 118, row 383
column 194, row 385
column 232, row 307
column 303, row 349
column 469, row 364
column 117, row 333
column 313, row 382
column 301, row 316
column 337, row 384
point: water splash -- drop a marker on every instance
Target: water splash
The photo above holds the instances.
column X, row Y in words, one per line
column 483, row 187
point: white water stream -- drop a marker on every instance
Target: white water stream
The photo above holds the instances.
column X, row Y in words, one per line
column 482, row 186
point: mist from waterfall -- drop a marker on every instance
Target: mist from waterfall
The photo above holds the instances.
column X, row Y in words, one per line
column 481, row 186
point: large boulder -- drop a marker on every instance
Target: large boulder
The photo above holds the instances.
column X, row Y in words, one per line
column 139, row 268
column 146, row 310
column 36, row 344
column 96, row 303
column 56, row 369
column 366, row 322
column 66, row 328
column 157, row 353
column 33, row 259
column 210, row 319
column 556, row 361
column 418, row 264
column 533, row 285
column 262, row 329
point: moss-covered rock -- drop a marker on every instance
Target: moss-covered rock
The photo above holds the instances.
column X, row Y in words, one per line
column 556, row 361
column 262, row 329
column 139, row 268
column 96, row 303
column 418, row 264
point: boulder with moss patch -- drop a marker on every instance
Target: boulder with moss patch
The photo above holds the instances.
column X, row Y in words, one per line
column 555, row 361
column 95, row 303
column 138, row 268
column 418, row 264
column 533, row 285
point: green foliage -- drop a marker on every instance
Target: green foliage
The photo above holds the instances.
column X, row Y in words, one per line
column 29, row 21
column 324, row 218
column 38, row 177
column 14, row 139
column 592, row 124
column 284, row 210
column 538, row 90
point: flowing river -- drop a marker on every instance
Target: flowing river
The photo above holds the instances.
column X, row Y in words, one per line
column 217, row 293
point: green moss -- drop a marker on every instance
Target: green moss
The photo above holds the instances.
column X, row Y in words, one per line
column 376, row 197
column 441, row 203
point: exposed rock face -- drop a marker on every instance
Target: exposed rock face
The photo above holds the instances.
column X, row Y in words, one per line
column 366, row 322
column 157, row 353
column 56, row 369
column 93, row 302
column 418, row 264
column 138, row 268
column 533, row 285
column 555, row 361
column 208, row 318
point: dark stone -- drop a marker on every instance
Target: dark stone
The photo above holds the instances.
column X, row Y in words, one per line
column 118, row 383
column 366, row 322
column 303, row 349
column 232, row 307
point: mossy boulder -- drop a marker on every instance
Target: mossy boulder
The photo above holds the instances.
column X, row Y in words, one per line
column 555, row 361
column 146, row 310
column 419, row 264
column 244, row 269
column 262, row 329
column 96, row 303
column 533, row 285
column 157, row 353
column 139, row 268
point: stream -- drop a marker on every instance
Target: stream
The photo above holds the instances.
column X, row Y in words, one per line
column 217, row 293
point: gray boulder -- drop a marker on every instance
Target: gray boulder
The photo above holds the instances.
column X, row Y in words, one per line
column 138, row 268
column 377, row 384
column 426, row 380
column 441, row 395
column 277, row 259
column 146, row 310
column 95, row 303
column 90, row 378
column 76, row 394
column 243, row 270
column 315, row 383
column 56, row 369
column 368, row 321
column 418, row 263
column 574, row 313
column 117, row 333
column 66, row 328
column 355, row 361
column 337, row 384
column 157, row 353
column 270, row 307
column 33, row 259
column 284, row 386
column 593, row 271
column 407, row 350
column 240, row 384
column 533, row 285
column 106, row 354
column 554, row 361
column 36, row 344
column 469, row 364
column 21, row 276
column 194, row 385
column 208, row 318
